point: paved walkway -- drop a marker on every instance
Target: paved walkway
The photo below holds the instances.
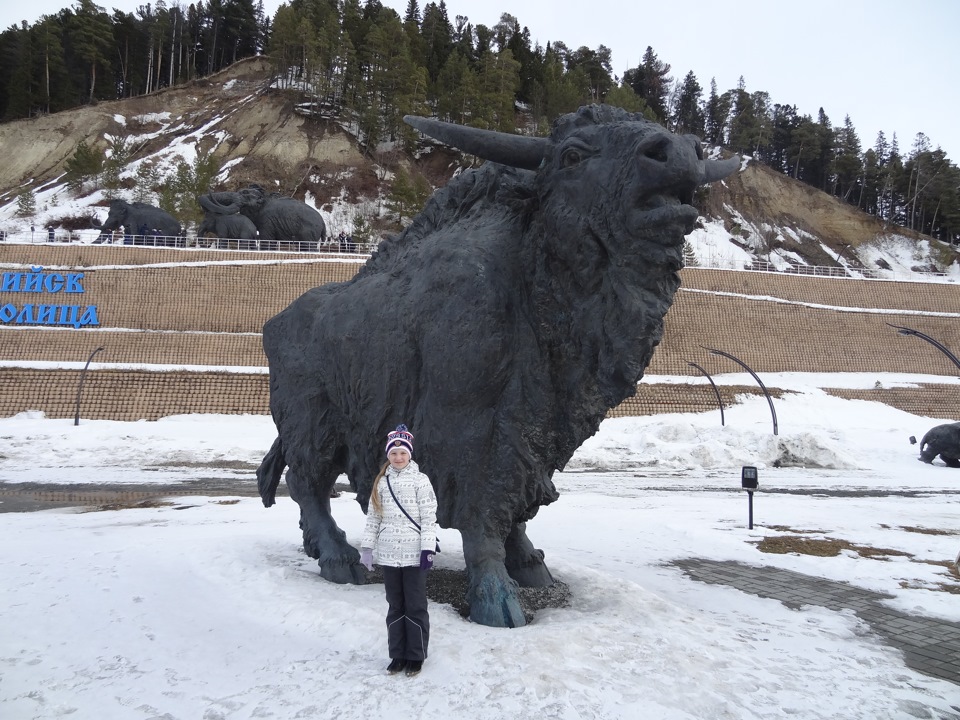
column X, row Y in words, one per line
column 929, row 645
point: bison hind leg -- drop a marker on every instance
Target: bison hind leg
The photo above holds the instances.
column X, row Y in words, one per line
column 323, row 540
column 523, row 561
column 950, row 461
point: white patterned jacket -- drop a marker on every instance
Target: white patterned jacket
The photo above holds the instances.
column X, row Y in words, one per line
column 391, row 535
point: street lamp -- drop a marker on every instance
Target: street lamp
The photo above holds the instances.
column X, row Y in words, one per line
column 763, row 387
column 917, row 333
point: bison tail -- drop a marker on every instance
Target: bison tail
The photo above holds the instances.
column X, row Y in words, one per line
column 269, row 472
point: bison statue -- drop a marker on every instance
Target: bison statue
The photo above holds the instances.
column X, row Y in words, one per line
column 942, row 440
column 522, row 304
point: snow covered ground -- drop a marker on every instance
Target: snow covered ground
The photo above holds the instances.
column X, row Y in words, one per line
column 207, row 608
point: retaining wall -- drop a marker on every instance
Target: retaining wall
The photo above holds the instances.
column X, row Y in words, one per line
column 180, row 331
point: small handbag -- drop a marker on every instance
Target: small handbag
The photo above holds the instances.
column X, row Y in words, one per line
column 404, row 510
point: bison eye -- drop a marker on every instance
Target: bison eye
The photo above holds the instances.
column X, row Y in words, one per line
column 570, row 157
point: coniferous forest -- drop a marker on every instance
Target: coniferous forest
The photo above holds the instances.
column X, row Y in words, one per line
column 360, row 58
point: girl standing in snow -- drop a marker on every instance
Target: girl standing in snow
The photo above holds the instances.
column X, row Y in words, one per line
column 401, row 537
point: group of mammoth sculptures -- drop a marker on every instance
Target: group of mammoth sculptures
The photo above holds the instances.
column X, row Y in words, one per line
column 250, row 217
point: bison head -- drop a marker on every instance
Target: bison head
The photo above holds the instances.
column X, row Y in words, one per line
column 611, row 186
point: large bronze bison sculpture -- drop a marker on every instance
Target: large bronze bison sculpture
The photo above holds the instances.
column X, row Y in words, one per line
column 522, row 304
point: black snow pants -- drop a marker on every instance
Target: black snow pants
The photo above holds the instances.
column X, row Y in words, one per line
column 408, row 624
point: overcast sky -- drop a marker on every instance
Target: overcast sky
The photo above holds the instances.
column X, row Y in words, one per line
column 890, row 65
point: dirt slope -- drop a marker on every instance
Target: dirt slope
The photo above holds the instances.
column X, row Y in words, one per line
column 253, row 122
column 762, row 195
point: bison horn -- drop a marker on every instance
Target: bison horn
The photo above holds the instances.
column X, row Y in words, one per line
column 714, row 170
column 504, row 148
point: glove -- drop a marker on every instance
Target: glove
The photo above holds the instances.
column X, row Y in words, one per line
column 426, row 559
column 366, row 558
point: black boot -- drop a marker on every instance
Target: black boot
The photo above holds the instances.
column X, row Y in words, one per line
column 414, row 667
column 396, row 665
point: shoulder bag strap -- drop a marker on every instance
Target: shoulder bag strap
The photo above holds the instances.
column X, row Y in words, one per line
column 402, row 508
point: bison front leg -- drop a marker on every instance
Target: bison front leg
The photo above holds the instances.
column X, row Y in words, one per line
column 322, row 538
column 524, row 562
column 491, row 593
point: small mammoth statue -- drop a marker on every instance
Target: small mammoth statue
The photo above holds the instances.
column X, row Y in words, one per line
column 942, row 440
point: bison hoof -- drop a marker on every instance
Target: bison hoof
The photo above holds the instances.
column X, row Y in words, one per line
column 343, row 573
column 494, row 602
column 531, row 571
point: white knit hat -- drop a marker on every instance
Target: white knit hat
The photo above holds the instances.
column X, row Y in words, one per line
column 401, row 437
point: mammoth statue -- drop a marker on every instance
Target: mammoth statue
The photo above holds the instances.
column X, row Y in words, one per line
column 523, row 303
column 942, row 440
column 140, row 220
column 276, row 217
column 233, row 227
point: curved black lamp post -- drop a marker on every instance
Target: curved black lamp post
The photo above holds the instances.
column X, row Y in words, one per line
column 83, row 376
column 763, row 387
column 917, row 333
column 715, row 391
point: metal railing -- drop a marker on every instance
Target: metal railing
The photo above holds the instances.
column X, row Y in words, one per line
column 854, row 273
column 186, row 241
column 334, row 246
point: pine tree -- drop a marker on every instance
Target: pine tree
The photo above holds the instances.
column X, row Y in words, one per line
column 50, row 48
column 179, row 191
column 651, row 81
column 849, row 163
column 750, row 126
column 499, row 79
column 83, row 166
column 437, row 35
column 240, row 30
column 688, row 115
column 563, row 92
column 891, row 174
column 802, row 149
column 362, row 231
column 26, row 203
column 456, row 90
column 285, row 49
column 401, row 198
column 148, row 178
column 93, row 35
column 412, row 14
column 118, row 152
column 623, row 96
column 595, row 66
column 717, row 115
column 783, row 124
column 870, row 188
column 826, row 146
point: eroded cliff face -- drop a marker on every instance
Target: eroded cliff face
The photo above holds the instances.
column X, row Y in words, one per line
column 233, row 113
column 762, row 196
